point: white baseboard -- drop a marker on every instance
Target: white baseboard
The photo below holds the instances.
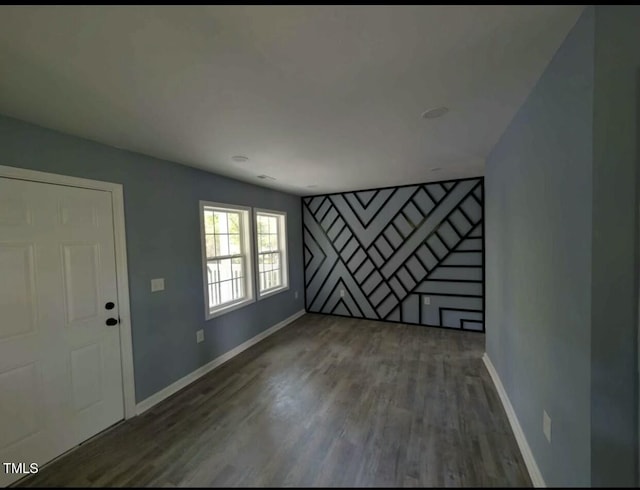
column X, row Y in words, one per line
column 156, row 398
column 527, row 455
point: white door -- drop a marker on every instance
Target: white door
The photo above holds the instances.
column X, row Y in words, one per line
column 60, row 367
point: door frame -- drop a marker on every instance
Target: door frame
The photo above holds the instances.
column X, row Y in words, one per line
column 122, row 275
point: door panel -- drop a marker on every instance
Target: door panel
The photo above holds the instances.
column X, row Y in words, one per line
column 20, row 403
column 60, row 364
column 17, row 297
column 81, row 281
column 86, row 376
column 14, row 211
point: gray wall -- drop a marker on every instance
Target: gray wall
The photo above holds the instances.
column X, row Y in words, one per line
column 163, row 240
column 614, row 290
column 389, row 249
column 562, row 254
column 538, row 205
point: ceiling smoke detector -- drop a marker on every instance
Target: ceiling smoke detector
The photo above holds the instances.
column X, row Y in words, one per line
column 436, row 112
column 239, row 158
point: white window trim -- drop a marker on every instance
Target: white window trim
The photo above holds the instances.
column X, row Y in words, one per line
column 249, row 287
column 283, row 248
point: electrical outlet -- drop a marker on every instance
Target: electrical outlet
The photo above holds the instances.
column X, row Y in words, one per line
column 157, row 285
column 426, row 300
column 342, row 293
column 546, row 425
column 199, row 336
column 295, row 295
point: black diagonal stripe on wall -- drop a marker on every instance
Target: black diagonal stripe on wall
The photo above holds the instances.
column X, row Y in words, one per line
column 411, row 254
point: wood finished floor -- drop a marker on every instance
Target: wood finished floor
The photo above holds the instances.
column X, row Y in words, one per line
column 326, row 401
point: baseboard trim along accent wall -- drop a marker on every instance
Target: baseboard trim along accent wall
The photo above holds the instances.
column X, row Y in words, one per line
column 156, row 398
column 408, row 254
column 527, row 455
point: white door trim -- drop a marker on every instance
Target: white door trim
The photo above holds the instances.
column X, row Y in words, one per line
column 117, row 198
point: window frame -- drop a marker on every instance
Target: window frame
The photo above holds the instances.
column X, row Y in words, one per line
column 282, row 249
column 246, row 244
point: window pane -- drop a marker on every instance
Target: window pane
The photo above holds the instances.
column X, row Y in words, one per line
column 208, row 221
column 228, row 290
column 234, row 245
column 275, row 278
column 210, row 246
column 213, row 271
column 266, row 263
column 238, row 288
column 263, row 243
column 263, row 225
column 237, row 267
column 212, row 296
column 234, row 222
column 225, row 270
column 222, row 244
column 226, row 294
column 273, row 242
column 223, row 223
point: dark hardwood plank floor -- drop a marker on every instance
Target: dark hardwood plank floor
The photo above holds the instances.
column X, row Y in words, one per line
column 326, row 401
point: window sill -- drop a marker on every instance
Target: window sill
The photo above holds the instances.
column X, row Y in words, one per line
column 228, row 309
column 272, row 292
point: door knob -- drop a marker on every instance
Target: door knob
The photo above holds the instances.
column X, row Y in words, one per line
column 109, row 306
column 111, row 321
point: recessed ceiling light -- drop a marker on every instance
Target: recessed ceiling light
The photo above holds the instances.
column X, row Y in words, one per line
column 436, row 169
column 435, row 112
column 239, row 158
column 266, row 177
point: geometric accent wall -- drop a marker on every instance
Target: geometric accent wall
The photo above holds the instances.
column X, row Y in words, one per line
column 411, row 254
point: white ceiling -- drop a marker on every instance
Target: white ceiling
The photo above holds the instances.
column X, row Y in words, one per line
column 313, row 95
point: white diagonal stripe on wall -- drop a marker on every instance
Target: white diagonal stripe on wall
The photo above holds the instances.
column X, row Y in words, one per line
column 317, row 255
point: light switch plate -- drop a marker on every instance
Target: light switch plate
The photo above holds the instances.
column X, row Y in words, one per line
column 295, row 295
column 157, row 285
column 427, row 300
column 199, row 336
column 342, row 293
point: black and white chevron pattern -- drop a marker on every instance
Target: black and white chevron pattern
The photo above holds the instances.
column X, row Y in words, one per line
column 410, row 254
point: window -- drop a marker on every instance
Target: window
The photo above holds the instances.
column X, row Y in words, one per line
column 226, row 251
column 271, row 237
